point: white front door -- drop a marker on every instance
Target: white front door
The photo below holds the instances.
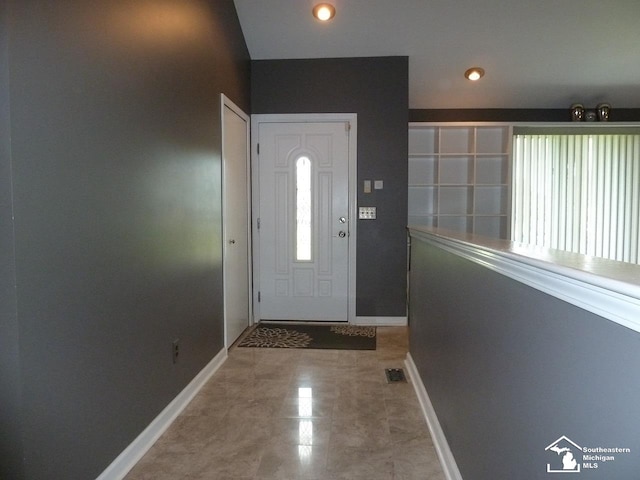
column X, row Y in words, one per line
column 304, row 220
column 235, row 186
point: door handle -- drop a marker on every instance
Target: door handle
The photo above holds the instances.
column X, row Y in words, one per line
column 231, row 242
column 342, row 234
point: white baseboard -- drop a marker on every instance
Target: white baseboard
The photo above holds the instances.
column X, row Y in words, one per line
column 381, row 321
column 447, row 461
column 136, row 450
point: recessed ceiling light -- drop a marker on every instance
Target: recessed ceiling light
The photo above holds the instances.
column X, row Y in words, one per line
column 474, row 73
column 324, row 12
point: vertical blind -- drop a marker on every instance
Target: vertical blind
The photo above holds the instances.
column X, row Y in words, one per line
column 578, row 192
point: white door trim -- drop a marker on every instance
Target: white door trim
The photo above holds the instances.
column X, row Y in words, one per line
column 352, row 119
column 226, row 102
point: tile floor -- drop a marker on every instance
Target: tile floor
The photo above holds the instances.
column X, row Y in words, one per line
column 296, row 414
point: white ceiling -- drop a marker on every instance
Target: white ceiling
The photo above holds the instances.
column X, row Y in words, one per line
column 537, row 53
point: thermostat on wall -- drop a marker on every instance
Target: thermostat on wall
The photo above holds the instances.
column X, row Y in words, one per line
column 367, row 213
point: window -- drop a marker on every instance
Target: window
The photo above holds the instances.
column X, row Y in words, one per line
column 578, row 192
column 303, row 209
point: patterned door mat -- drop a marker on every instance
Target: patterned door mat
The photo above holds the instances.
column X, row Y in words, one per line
column 295, row 335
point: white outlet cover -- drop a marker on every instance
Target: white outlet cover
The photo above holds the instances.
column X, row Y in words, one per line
column 367, row 213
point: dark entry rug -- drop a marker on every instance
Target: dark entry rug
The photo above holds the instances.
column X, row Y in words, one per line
column 295, row 335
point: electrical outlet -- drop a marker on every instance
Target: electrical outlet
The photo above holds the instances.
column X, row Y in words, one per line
column 175, row 350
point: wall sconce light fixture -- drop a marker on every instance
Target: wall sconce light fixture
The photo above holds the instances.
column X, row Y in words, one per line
column 601, row 113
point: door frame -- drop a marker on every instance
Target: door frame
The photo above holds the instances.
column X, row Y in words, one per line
column 352, row 119
column 226, row 102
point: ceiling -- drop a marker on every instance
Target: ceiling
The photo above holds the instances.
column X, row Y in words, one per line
column 536, row 53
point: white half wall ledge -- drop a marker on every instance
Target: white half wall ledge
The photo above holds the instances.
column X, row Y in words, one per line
column 131, row 455
column 381, row 321
column 447, row 460
column 606, row 288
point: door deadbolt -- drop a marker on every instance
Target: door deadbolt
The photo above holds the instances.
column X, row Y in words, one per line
column 342, row 220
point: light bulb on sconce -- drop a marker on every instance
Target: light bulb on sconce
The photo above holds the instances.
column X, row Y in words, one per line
column 577, row 112
column 603, row 110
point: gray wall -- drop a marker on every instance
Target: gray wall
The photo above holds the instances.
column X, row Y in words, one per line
column 510, row 369
column 377, row 90
column 115, row 148
column 10, row 390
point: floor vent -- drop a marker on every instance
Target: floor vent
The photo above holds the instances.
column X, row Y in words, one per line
column 395, row 375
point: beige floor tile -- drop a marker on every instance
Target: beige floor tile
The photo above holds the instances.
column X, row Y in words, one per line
column 301, row 431
column 360, row 431
column 168, row 466
column 403, row 407
column 255, row 406
column 289, row 462
column 362, row 405
column 241, row 462
column 360, row 387
column 204, row 404
column 402, row 430
column 353, row 463
column 283, row 414
column 307, row 406
column 417, row 462
column 325, row 390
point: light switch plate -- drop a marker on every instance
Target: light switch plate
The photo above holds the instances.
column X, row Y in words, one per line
column 367, row 213
column 378, row 184
column 367, row 186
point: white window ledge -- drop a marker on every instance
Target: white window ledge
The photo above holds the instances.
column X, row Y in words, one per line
column 607, row 288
